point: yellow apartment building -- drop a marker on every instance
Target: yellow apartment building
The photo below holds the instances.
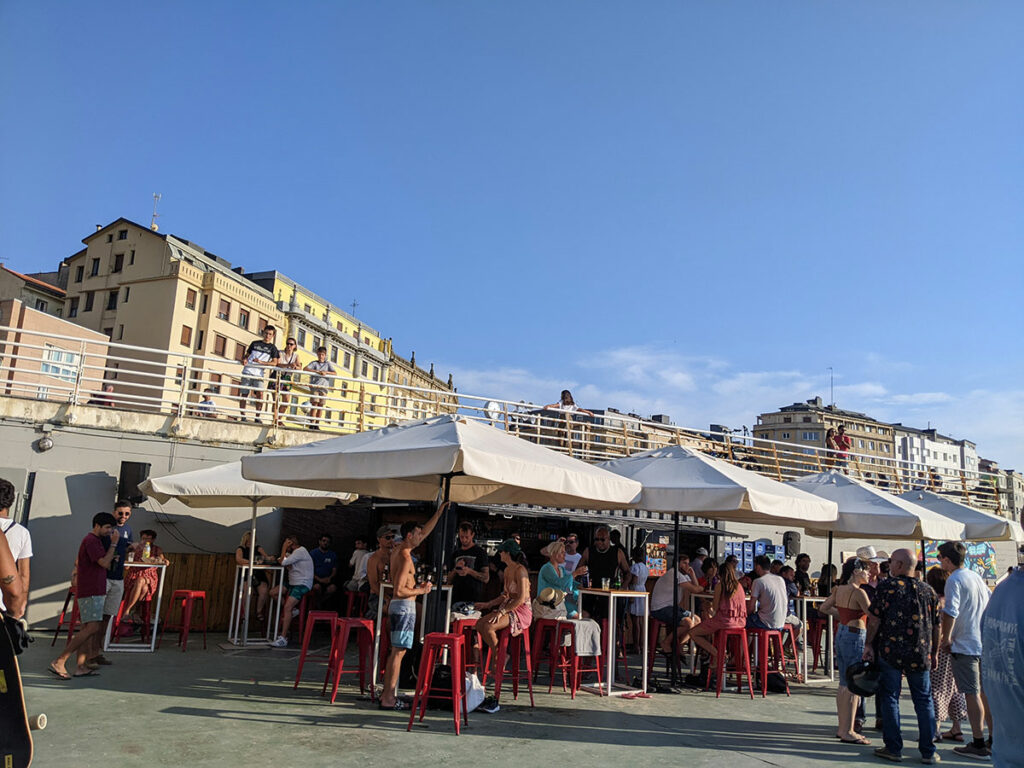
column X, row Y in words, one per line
column 406, row 401
column 143, row 288
column 359, row 399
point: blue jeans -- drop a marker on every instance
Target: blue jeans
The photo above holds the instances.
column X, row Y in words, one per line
column 890, row 682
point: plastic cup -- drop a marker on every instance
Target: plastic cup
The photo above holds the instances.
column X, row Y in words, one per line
column 606, row 583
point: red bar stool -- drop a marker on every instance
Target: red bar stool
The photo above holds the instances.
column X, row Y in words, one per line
column 769, row 642
column 516, row 646
column 474, row 645
column 188, row 597
column 740, row 656
column 356, row 600
column 543, row 642
column 146, row 611
column 815, row 633
column 434, row 645
column 343, row 627
column 328, row 617
column 788, row 631
column 569, row 661
column 75, row 618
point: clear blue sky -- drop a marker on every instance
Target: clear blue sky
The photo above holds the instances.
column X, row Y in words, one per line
column 682, row 207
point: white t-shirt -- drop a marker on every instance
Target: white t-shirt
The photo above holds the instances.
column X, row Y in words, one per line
column 19, row 540
column 661, row 595
column 572, row 562
column 300, row 574
column 641, row 573
column 358, row 563
column 966, row 600
column 772, row 600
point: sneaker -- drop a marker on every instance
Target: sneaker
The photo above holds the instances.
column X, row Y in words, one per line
column 976, row 753
column 932, row 759
column 295, row 612
column 281, row 642
column 489, row 705
column 885, row 754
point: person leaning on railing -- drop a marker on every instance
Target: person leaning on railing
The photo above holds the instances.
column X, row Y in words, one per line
column 319, row 383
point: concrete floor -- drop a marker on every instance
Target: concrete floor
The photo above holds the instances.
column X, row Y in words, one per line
column 235, row 708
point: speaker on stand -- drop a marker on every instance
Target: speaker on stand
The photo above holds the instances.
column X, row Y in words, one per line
column 132, row 473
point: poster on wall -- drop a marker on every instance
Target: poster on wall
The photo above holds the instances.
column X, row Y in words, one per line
column 981, row 557
column 657, row 556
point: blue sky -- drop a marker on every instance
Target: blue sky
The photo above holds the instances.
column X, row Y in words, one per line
column 691, row 208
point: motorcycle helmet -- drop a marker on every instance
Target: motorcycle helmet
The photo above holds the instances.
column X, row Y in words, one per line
column 862, row 678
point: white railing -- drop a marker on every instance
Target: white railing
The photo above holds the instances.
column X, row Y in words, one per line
column 68, row 369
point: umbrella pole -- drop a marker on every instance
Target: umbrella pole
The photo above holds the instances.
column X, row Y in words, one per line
column 924, row 561
column 442, row 541
column 675, row 599
column 247, row 577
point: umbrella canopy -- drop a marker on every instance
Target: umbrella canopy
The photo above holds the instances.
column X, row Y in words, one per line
column 678, row 479
column 484, row 465
column 865, row 510
column 978, row 525
column 224, row 486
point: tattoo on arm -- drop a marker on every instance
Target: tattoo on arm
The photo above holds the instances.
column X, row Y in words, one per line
column 9, row 579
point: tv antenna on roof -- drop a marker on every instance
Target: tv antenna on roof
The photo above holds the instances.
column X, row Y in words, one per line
column 354, row 305
column 152, row 221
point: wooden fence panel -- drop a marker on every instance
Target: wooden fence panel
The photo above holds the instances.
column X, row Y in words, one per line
column 214, row 574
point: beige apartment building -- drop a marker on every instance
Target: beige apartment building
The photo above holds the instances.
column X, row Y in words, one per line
column 146, row 289
column 32, row 291
column 804, row 426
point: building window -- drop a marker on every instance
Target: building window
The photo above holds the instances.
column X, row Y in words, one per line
column 215, row 380
column 224, row 310
column 301, row 338
column 60, row 363
column 112, row 299
column 262, row 324
column 860, row 443
column 810, row 436
column 79, row 273
column 341, row 328
column 365, row 369
column 90, row 296
column 243, row 318
column 131, row 258
column 239, row 351
column 307, row 309
column 127, row 293
column 109, row 333
column 348, row 361
column 203, row 310
column 376, row 373
column 334, row 354
column 118, row 262
column 94, row 268
column 73, row 307
column 41, row 305
column 220, row 345
column 122, row 234
column 110, row 237
column 317, row 343
column 199, row 340
column 186, row 336
column 871, row 445
column 190, row 298
column 120, row 332
column 785, row 436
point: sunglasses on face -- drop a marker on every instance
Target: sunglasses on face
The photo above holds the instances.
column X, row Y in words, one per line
column 600, row 538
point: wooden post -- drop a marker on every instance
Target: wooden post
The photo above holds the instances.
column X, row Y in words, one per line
column 728, row 444
column 362, row 407
column 625, row 437
column 775, row 456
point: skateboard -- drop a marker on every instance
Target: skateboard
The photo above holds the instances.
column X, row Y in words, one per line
column 15, row 725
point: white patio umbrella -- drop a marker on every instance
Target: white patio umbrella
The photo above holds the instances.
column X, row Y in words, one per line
column 865, row 510
column 466, row 460
column 684, row 480
column 223, row 486
column 978, row 525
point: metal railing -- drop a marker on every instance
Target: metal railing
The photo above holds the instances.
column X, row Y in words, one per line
column 68, row 369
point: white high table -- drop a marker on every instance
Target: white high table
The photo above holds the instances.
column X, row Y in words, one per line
column 238, row 630
column 609, row 687
column 423, row 621
column 154, row 618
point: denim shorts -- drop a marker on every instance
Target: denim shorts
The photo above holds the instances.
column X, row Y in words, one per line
column 849, row 649
column 402, row 621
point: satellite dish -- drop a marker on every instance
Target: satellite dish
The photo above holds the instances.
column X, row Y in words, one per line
column 493, row 410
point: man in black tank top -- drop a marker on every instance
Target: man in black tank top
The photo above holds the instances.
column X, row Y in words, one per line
column 602, row 561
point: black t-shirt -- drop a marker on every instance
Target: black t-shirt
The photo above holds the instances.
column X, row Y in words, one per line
column 466, row 589
column 803, row 581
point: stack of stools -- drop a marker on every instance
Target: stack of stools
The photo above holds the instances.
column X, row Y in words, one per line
column 343, row 627
column 516, row 646
column 188, row 597
column 328, row 617
column 543, row 642
column 75, row 618
column 434, row 645
column 568, row 661
column 769, row 642
column 740, row 657
column 467, row 628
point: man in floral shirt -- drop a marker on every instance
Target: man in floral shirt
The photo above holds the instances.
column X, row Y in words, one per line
column 904, row 618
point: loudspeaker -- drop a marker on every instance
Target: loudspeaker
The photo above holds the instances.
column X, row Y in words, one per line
column 132, row 473
column 791, row 541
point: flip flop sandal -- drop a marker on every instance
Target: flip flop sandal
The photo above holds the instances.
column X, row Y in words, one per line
column 398, row 706
column 950, row 736
column 90, row 673
column 58, row 673
column 862, row 741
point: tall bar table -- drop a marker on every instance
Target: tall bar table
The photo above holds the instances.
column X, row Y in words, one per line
column 110, row 647
column 238, row 630
column 609, row 687
column 423, row 621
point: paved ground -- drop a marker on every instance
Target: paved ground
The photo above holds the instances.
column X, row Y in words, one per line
column 234, row 708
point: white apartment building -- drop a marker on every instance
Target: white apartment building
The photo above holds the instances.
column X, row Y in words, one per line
column 929, row 453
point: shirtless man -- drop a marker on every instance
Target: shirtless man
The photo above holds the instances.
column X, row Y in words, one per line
column 402, row 610
column 375, row 568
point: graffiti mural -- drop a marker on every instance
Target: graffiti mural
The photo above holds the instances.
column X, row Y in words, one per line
column 981, row 557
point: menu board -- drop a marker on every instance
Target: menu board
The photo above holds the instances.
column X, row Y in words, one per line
column 657, row 556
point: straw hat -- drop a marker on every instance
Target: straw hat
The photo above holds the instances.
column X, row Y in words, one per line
column 868, row 553
column 551, row 597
